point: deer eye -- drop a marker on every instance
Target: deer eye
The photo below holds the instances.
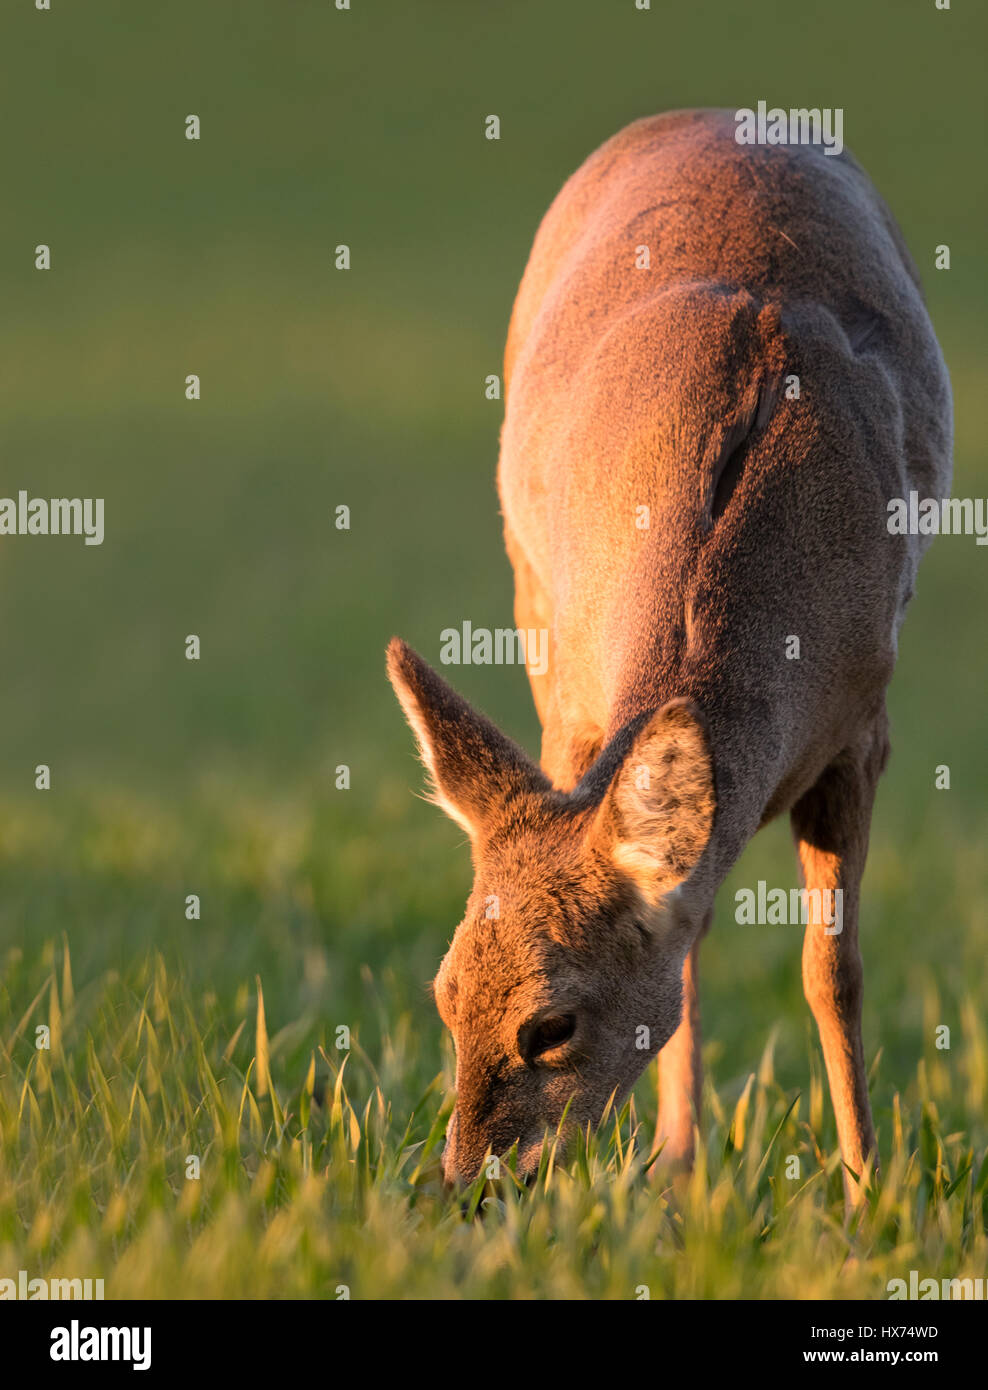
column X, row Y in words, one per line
column 548, row 1033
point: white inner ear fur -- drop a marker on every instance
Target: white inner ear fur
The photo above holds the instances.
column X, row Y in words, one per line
column 413, row 713
column 663, row 799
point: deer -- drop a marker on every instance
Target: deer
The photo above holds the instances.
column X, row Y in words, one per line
column 719, row 369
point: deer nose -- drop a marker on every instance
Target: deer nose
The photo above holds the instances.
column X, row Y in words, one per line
column 459, row 1167
column 447, row 1159
column 450, row 1183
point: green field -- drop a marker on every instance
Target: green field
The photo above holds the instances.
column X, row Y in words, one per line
column 319, row 1164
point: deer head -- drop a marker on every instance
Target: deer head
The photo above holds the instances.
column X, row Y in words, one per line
column 564, row 978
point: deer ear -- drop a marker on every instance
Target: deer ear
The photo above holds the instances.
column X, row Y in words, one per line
column 658, row 811
column 473, row 767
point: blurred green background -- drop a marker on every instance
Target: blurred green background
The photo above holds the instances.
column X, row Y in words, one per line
column 322, row 387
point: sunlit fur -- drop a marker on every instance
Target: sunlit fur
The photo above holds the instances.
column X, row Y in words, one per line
column 665, row 394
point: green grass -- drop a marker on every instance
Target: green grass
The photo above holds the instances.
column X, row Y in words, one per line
column 319, row 1164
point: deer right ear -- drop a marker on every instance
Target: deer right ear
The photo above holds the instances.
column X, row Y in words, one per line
column 658, row 811
column 473, row 767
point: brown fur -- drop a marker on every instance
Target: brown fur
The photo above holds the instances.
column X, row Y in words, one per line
column 673, row 724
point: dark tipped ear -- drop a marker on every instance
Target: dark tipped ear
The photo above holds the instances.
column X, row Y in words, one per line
column 658, row 811
column 474, row 768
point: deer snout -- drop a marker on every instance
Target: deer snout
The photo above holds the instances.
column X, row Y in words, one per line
column 463, row 1158
column 463, row 1155
column 452, row 1177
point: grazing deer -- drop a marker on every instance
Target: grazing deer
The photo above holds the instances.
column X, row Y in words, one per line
column 699, row 445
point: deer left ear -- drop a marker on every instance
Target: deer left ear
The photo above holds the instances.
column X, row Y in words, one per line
column 658, row 812
column 474, row 768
